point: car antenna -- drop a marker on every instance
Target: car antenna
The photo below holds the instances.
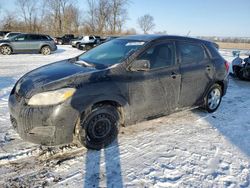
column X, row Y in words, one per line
column 188, row 33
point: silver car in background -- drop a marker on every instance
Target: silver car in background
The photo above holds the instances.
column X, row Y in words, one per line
column 38, row 43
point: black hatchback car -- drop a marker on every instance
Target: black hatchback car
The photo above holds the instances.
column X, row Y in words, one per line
column 121, row 82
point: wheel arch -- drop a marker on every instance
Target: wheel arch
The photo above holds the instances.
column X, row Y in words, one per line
column 221, row 84
column 6, row 44
column 119, row 105
column 43, row 45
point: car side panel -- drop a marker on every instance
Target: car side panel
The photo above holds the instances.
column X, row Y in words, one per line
column 196, row 77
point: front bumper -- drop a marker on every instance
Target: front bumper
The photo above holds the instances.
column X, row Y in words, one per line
column 49, row 125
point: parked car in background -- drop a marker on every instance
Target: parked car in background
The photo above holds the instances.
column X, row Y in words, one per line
column 66, row 39
column 11, row 34
column 43, row 44
column 89, row 45
column 108, row 38
column 121, row 82
column 241, row 68
column 86, row 40
column 76, row 39
column 3, row 33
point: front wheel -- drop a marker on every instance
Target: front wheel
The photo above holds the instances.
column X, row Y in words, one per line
column 213, row 98
column 100, row 127
column 6, row 50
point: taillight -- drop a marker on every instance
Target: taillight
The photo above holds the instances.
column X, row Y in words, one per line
column 227, row 66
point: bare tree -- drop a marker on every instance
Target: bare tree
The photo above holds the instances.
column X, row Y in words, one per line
column 63, row 15
column 146, row 23
column 102, row 16
column 106, row 16
column 90, row 21
column 71, row 19
column 9, row 22
column 118, row 15
column 28, row 9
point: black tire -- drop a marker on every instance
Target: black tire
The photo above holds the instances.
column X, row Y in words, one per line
column 100, row 127
column 45, row 50
column 213, row 98
column 78, row 45
column 6, row 50
column 238, row 72
column 88, row 47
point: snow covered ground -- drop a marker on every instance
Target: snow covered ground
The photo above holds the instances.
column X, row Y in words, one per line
column 185, row 149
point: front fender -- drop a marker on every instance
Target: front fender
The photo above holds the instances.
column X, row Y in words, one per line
column 5, row 43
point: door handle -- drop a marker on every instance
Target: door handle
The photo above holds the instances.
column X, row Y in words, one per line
column 173, row 75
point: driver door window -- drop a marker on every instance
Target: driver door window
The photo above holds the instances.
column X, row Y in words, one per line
column 159, row 56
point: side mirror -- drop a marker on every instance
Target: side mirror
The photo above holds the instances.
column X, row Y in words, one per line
column 140, row 65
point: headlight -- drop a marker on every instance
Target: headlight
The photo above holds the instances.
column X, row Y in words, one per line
column 51, row 97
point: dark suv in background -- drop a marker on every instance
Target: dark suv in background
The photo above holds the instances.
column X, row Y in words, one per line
column 43, row 44
column 120, row 82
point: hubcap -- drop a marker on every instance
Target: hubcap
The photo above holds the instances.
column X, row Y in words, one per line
column 6, row 50
column 101, row 128
column 214, row 98
column 46, row 51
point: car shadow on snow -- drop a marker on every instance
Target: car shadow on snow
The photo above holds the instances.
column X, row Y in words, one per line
column 95, row 174
column 232, row 119
column 5, row 82
column 58, row 51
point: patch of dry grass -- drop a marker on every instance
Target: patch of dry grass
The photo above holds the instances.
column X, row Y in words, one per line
column 228, row 45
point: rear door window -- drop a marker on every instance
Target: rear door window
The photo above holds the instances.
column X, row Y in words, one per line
column 191, row 53
column 34, row 37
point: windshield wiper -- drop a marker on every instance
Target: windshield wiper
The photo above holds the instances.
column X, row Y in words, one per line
column 84, row 63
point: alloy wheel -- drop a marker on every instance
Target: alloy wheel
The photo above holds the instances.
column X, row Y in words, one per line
column 214, row 98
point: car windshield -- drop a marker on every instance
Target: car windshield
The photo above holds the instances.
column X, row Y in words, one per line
column 112, row 52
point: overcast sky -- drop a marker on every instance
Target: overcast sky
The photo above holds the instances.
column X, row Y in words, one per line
column 200, row 17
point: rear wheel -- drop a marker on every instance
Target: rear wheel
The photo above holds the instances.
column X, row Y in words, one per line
column 213, row 98
column 6, row 50
column 100, row 127
column 45, row 50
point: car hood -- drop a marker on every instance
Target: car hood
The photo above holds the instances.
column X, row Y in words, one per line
column 34, row 81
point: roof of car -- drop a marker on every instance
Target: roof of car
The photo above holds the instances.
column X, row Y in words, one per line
column 156, row 37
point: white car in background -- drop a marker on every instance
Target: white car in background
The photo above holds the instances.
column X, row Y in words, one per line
column 85, row 40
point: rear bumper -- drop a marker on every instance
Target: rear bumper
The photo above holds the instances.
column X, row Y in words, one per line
column 54, row 48
column 53, row 125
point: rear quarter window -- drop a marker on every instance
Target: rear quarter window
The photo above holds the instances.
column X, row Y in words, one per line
column 43, row 37
column 191, row 52
column 213, row 50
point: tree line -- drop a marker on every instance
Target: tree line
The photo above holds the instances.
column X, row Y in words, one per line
column 58, row 17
